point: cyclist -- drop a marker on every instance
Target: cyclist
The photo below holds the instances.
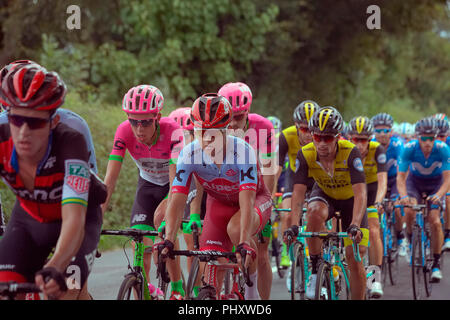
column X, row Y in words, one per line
column 393, row 145
column 291, row 140
column 57, row 197
column 406, row 131
column 338, row 172
column 154, row 143
column 194, row 210
column 238, row 203
column 375, row 169
column 443, row 135
column 276, row 123
column 259, row 133
column 428, row 162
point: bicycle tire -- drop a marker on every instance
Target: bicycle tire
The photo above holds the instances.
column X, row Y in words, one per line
column 298, row 283
column 323, row 285
column 392, row 257
column 207, row 293
column 428, row 267
column 129, row 284
column 193, row 273
column 416, row 265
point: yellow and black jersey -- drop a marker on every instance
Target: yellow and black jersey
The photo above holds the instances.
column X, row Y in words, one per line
column 374, row 162
column 348, row 170
column 288, row 144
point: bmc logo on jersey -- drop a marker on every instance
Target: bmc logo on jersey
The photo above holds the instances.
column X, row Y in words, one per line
column 77, row 176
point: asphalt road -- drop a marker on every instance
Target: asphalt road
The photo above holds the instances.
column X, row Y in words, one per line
column 109, row 269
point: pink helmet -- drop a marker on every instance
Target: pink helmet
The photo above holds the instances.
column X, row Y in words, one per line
column 239, row 95
column 182, row 116
column 143, row 99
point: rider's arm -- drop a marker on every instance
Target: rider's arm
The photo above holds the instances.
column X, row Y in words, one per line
column 445, row 153
column 300, row 182
column 403, row 166
column 112, row 174
column 246, row 204
column 71, row 236
column 174, row 214
column 179, row 193
column 196, row 203
column 114, row 164
column 358, row 181
column 445, row 187
column 381, row 159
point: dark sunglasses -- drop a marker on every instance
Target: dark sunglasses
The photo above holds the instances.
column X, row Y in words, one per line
column 144, row 123
column 33, row 123
column 442, row 136
column 383, row 130
column 325, row 138
column 424, row 138
column 360, row 140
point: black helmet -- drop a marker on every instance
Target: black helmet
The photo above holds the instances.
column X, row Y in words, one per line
column 426, row 126
column 360, row 125
column 382, row 119
column 304, row 111
column 326, row 120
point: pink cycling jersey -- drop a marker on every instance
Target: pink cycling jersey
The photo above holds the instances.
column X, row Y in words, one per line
column 153, row 161
column 260, row 135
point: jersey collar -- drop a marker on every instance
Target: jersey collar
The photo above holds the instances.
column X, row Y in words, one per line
column 15, row 160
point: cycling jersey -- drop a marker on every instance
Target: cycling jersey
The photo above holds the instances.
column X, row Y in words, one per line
column 348, row 170
column 374, row 162
column 239, row 171
column 153, row 161
column 288, row 144
column 75, row 122
column 436, row 163
column 393, row 154
column 260, row 135
column 62, row 176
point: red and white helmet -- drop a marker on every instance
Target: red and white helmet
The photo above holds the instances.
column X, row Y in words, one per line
column 182, row 116
column 143, row 99
column 211, row 111
column 239, row 95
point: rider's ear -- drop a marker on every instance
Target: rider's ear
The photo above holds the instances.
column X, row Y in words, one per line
column 55, row 121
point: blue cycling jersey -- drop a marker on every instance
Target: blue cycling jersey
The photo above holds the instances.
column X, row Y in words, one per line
column 436, row 163
column 393, row 154
column 75, row 122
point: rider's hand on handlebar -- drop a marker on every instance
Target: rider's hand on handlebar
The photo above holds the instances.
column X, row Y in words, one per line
column 290, row 234
column 243, row 252
column 355, row 232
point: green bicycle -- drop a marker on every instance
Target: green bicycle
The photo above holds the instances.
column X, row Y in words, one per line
column 134, row 286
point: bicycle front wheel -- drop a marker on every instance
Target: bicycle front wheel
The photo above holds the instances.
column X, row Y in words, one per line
column 298, row 283
column 416, row 265
column 131, row 288
column 323, row 285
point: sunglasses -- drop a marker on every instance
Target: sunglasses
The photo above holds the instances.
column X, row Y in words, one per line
column 383, row 130
column 425, row 138
column 442, row 136
column 360, row 140
column 325, row 138
column 33, row 123
column 144, row 123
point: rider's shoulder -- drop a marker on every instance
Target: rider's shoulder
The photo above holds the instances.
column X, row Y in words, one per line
column 257, row 120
